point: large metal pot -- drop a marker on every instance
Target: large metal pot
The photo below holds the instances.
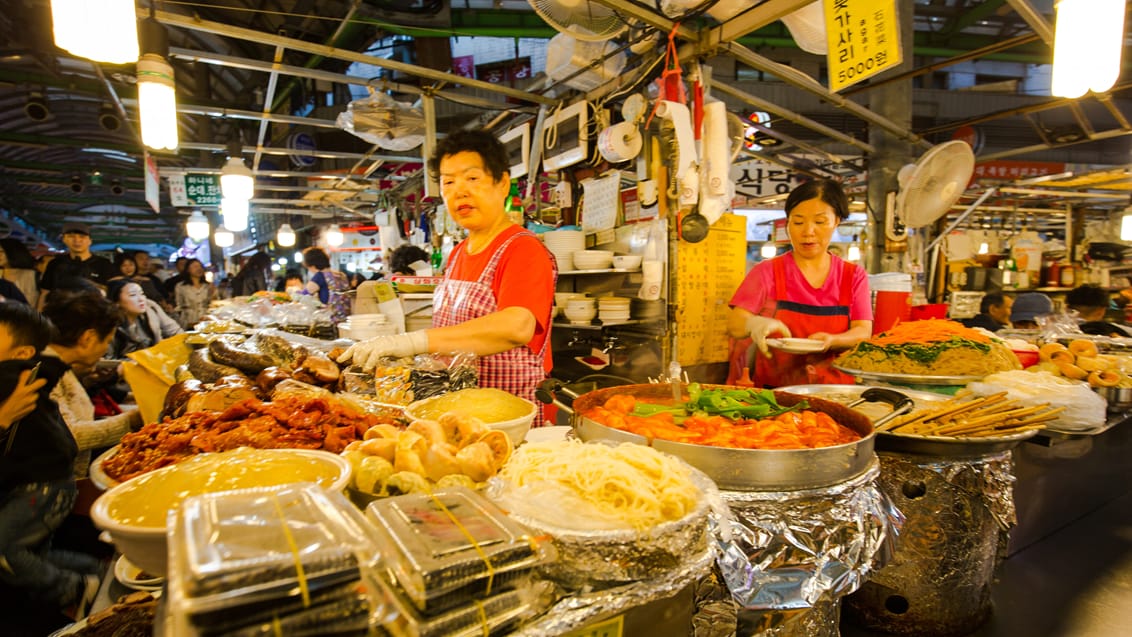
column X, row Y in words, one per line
column 746, row 469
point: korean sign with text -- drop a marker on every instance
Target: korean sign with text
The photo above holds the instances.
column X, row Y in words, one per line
column 863, row 37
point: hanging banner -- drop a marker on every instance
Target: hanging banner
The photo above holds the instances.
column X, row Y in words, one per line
column 863, row 37
column 194, row 189
column 152, row 183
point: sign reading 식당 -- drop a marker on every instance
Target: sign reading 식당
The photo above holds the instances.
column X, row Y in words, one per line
column 863, row 37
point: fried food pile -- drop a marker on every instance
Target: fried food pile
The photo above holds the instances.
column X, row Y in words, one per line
column 290, row 422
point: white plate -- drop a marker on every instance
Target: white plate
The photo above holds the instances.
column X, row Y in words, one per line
column 132, row 577
column 796, row 345
column 97, row 475
column 548, row 434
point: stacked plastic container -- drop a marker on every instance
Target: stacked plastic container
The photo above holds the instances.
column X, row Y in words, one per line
column 294, row 560
column 457, row 566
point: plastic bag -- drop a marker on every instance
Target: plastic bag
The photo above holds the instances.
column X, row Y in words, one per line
column 404, row 380
column 1083, row 408
column 380, row 120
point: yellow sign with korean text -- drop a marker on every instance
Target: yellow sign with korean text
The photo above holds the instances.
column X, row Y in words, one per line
column 863, row 37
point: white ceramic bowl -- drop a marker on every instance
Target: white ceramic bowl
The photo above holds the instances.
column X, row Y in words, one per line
column 592, row 259
column 560, row 298
column 581, row 302
column 145, row 545
column 515, row 428
column 627, row 261
column 580, row 315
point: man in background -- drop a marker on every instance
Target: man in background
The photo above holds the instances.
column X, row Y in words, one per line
column 994, row 312
column 78, row 263
column 1091, row 303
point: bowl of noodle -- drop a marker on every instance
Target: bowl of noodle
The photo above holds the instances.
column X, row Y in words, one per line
column 624, row 512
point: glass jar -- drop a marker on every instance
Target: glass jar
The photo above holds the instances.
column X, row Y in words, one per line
column 1068, row 275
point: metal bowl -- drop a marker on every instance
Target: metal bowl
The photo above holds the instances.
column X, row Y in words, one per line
column 1118, row 398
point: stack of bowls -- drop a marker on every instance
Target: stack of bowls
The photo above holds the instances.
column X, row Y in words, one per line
column 613, row 309
column 561, row 298
column 580, row 310
column 593, row 259
column 563, row 244
column 631, row 262
column 362, row 326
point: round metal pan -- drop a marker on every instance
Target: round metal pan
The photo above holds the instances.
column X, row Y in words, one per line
column 908, row 379
column 951, row 446
column 746, row 469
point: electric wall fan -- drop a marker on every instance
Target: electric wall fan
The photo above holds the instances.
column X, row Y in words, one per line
column 929, row 187
column 581, row 19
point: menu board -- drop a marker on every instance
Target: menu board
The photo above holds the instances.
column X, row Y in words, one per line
column 707, row 274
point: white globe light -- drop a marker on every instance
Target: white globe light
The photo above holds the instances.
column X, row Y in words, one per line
column 285, row 236
column 197, row 226
column 236, row 180
column 298, row 257
column 157, row 102
column 223, row 238
column 275, row 267
column 334, row 236
column 104, row 31
column 281, row 260
column 768, row 250
column 235, row 212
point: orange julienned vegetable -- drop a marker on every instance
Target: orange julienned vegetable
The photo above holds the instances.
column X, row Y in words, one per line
column 927, row 331
column 792, row 430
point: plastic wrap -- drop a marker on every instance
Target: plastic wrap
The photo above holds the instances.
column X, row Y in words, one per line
column 401, row 381
column 798, row 552
column 1083, row 408
column 381, row 120
column 452, row 547
column 958, row 514
column 295, row 556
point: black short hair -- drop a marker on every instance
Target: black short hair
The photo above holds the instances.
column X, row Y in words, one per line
column 479, row 141
column 991, row 299
column 826, row 190
column 402, row 256
column 114, row 288
column 18, row 255
column 1087, row 296
column 314, row 257
column 74, row 311
column 26, row 326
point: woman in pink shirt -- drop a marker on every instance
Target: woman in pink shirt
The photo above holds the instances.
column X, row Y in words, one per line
column 806, row 293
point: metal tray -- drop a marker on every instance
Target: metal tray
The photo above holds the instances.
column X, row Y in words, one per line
column 908, row 379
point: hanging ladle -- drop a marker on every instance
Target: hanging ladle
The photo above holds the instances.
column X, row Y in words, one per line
column 693, row 226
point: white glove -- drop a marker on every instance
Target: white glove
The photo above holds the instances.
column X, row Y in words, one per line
column 368, row 352
column 760, row 327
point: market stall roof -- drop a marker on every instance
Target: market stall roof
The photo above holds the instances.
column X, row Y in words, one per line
column 257, row 74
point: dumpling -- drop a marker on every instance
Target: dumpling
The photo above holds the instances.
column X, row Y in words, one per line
column 404, row 482
column 477, row 461
column 438, row 462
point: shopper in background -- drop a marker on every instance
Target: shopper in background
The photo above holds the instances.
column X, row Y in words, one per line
column 9, row 291
column 143, row 324
column 402, row 258
column 496, row 294
column 994, row 312
column 291, row 282
column 193, row 295
column 128, row 269
column 328, row 284
column 146, row 271
column 1028, row 307
column 253, row 277
column 78, row 263
column 18, row 266
column 1091, row 302
column 807, row 293
column 169, row 287
column 37, row 483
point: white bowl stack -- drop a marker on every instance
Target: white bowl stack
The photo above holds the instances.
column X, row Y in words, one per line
column 593, row 259
column 613, row 309
column 563, row 244
column 580, row 310
column 631, row 262
column 362, row 326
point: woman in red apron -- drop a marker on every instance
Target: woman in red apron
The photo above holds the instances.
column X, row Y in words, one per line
column 498, row 290
column 806, row 293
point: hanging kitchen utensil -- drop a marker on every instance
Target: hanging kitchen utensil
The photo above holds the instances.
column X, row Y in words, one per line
column 693, row 226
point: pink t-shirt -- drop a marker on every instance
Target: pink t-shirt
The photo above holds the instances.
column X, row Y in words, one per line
column 756, row 293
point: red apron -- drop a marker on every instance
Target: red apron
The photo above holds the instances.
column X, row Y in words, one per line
column 783, row 369
column 519, row 370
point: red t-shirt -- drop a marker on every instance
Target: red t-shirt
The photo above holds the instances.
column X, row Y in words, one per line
column 524, row 277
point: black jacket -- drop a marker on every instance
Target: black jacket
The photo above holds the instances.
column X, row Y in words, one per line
column 984, row 321
column 39, row 448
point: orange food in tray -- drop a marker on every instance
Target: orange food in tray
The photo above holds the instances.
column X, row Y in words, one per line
column 804, row 429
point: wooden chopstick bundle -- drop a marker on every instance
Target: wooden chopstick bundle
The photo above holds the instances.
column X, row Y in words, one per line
column 993, row 415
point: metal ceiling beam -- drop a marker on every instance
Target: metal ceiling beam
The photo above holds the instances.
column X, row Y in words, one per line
column 271, row 150
column 1014, row 152
column 1036, row 21
column 259, row 37
column 235, row 62
column 791, row 116
column 1021, row 110
column 269, row 99
column 750, row 20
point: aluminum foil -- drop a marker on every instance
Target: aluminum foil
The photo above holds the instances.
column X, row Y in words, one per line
column 598, row 559
column 577, row 611
column 958, row 513
column 797, row 553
